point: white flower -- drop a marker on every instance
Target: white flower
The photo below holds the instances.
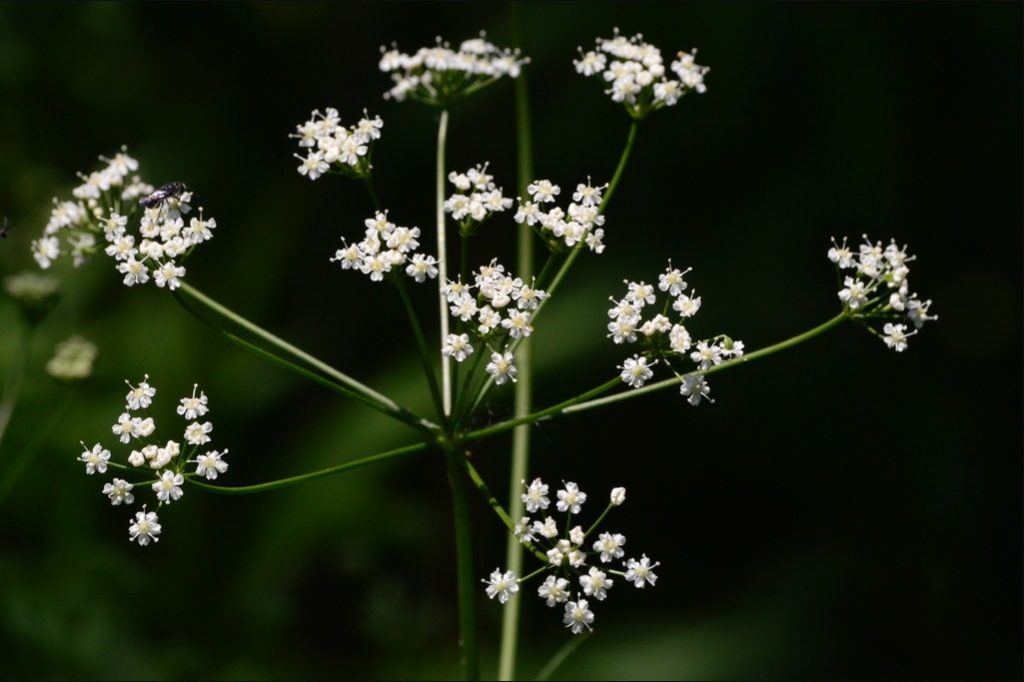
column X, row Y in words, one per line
column 618, row 496
column 578, row 616
column 896, row 336
column 211, row 464
column 854, row 293
column 636, row 371
column 672, row 281
column 536, row 496
column 119, row 491
column 421, row 267
column 543, row 191
column 571, row 498
column 169, row 275
column 501, row 585
column 313, row 165
column 706, row 355
column 576, row 535
column 141, row 396
column 196, row 433
column 124, row 428
column 135, row 272
column 610, row 546
column 518, row 324
column 679, row 339
column 548, row 528
column 640, row 293
column 146, row 528
column 694, row 387
column 95, row 459
column 554, row 590
column 686, row 306
column 168, row 486
column 45, row 250
column 501, row 368
column 524, row 530
column 192, row 407
column 641, row 572
column 596, row 583
column 457, row 346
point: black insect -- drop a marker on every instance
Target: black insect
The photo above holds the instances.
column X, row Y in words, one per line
column 171, row 189
column 5, row 227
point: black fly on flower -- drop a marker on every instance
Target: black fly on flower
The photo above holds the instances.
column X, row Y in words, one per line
column 166, row 191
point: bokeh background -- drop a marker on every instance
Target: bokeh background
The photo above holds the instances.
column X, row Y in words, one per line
column 840, row 512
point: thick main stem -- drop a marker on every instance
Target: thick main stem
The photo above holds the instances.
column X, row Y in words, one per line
column 466, row 581
column 442, row 263
column 524, row 387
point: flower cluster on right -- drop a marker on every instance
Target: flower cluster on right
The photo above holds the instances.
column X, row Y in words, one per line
column 635, row 72
column 578, row 569
column 664, row 339
column 878, row 289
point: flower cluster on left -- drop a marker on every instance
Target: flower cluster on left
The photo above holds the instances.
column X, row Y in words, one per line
column 104, row 204
column 132, row 428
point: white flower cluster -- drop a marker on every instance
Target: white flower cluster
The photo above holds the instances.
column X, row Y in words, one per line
column 439, row 75
column 163, row 458
column 329, row 144
column 878, row 289
column 476, row 197
column 636, row 73
column 72, row 359
column 495, row 307
column 386, row 247
column 663, row 338
column 103, row 205
column 580, row 223
column 577, row 568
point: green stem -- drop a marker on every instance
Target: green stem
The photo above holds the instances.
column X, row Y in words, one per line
column 587, row 401
column 295, row 480
column 478, row 481
column 442, row 262
column 21, row 461
column 520, row 464
column 560, row 275
column 374, row 199
column 675, row 381
column 14, row 379
column 559, row 658
column 421, row 342
column 540, row 414
column 466, row 581
column 294, row 358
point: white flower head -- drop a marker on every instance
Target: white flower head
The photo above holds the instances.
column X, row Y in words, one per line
column 168, row 487
column 501, row 585
column 554, row 590
column 211, row 464
column 119, row 491
column 95, row 459
column 641, row 573
column 596, row 583
column 578, row 616
column 193, row 406
column 570, row 498
column 145, row 528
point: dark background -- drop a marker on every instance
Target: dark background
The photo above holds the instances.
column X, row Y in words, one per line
column 841, row 511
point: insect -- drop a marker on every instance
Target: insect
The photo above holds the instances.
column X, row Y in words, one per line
column 171, row 189
column 5, row 227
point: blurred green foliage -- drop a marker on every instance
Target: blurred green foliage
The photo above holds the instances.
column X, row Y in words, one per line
column 839, row 512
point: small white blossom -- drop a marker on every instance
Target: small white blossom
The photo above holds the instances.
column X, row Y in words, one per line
column 211, row 464
column 457, row 346
column 641, row 573
column 501, row 585
column 635, row 371
column 596, row 583
column 694, row 387
column 536, row 496
column 168, row 487
column 96, row 459
column 578, row 616
column 197, row 433
column 547, row 528
column 145, row 528
column 554, row 590
column 501, row 368
column 119, row 491
column 141, row 396
column 571, row 498
column 610, row 546
column 618, row 496
column 193, row 406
